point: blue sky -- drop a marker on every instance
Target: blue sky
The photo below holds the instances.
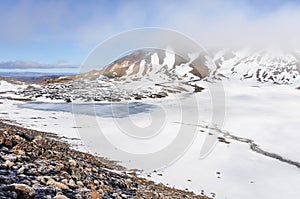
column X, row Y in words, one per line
column 51, row 31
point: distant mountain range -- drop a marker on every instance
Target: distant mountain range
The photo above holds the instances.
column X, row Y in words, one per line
column 32, row 76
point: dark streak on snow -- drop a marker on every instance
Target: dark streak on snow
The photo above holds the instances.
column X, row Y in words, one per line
column 253, row 146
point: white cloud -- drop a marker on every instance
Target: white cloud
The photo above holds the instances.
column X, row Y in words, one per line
column 214, row 24
column 218, row 23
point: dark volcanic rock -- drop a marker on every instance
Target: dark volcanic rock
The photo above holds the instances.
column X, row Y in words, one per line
column 28, row 137
column 36, row 165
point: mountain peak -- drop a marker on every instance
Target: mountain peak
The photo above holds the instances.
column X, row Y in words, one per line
column 142, row 62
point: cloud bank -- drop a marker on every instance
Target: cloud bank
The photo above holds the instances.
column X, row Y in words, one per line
column 35, row 65
column 214, row 24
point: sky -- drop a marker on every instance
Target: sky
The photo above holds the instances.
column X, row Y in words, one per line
column 55, row 31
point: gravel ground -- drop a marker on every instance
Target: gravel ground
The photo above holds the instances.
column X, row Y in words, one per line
column 35, row 164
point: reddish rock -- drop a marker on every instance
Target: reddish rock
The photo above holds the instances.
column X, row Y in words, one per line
column 8, row 142
column 95, row 195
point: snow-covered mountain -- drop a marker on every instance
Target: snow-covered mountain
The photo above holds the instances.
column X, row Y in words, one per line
column 157, row 70
column 141, row 74
column 160, row 73
column 156, row 63
column 277, row 67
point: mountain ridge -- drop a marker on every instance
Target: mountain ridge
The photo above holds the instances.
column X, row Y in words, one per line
column 281, row 67
column 161, row 73
column 262, row 66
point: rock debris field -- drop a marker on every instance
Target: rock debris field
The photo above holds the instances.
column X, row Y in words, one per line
column 34, row 164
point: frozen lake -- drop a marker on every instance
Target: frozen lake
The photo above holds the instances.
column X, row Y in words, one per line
column 267, row 115
column 117, row 110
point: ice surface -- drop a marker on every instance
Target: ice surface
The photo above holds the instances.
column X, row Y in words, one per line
column 267, row 114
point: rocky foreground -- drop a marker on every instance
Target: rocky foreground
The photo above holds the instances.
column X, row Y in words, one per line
column 37, row 165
